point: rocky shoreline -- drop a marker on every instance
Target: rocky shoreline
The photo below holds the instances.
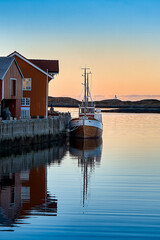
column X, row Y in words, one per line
column 133, row 110
column 118, row 106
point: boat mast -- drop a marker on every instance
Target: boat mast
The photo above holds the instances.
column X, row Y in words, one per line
column 88, row 92
column 85, row 93
column 86, row 89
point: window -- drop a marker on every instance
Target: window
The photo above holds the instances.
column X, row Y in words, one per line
column 25, row 102
column 24, row 176
column 13, row 87
column 26, row 84
column 25, row 193
column 25, row 112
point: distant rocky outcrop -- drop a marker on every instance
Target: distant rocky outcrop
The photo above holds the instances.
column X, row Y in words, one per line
column 108, row 103
column 62, row 102
column 133, row 110
column 116, row 103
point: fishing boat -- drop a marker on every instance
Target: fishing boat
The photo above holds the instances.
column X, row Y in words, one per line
column 89, row 122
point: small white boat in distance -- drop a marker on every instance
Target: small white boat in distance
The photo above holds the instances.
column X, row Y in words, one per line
column 89, row 123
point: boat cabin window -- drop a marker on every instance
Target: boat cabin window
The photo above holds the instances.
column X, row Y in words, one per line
column 88, row 110
column 81, row 110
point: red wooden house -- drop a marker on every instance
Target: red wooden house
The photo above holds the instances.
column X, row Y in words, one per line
column 37, row 74
column 10, row 86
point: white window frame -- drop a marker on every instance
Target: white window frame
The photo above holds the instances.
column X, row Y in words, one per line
column 25, row 193
column 25, row 109
column 25, row 100
column 13, row 79
column 26, row 89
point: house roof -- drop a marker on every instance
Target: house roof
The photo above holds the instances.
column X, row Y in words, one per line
column 51, row 65
column 32, row 64
column 5, row 63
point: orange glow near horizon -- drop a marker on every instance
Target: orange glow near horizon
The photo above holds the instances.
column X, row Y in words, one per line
column 111, row 75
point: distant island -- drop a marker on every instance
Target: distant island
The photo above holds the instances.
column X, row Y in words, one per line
column 111, row 105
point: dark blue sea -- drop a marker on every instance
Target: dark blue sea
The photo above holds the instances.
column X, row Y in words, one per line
column 107, row 188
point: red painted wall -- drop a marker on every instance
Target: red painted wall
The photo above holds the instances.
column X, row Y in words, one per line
column 13, row 101
column 13, row 72
column 0, row 90
column 18, row 108
column 38, row 92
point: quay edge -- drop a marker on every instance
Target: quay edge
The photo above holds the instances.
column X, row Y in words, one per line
column 35, row 131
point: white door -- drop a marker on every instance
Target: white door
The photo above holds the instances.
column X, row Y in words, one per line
column 25, row 112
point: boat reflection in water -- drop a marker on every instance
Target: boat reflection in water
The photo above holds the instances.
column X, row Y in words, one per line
column 23, row 185
column 88, row 152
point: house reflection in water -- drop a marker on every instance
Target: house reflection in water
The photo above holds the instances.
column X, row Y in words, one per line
column 88, row 152
column 23, row 185
column 10, row 198
column 25, row 192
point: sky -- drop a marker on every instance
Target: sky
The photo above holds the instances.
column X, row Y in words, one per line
column 119, row 40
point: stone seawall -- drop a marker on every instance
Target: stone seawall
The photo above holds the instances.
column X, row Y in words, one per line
column 34, row 131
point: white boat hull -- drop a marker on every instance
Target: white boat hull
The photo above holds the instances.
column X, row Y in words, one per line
column 85, row 128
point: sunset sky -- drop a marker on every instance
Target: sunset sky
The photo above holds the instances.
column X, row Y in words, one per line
column 118, row 39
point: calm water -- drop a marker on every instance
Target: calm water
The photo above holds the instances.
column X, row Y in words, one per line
column 99, row 189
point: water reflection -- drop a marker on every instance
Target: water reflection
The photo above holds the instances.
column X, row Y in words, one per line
column 28, row 158
column 113, row 195
column 23, row 184
column 88, row 152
